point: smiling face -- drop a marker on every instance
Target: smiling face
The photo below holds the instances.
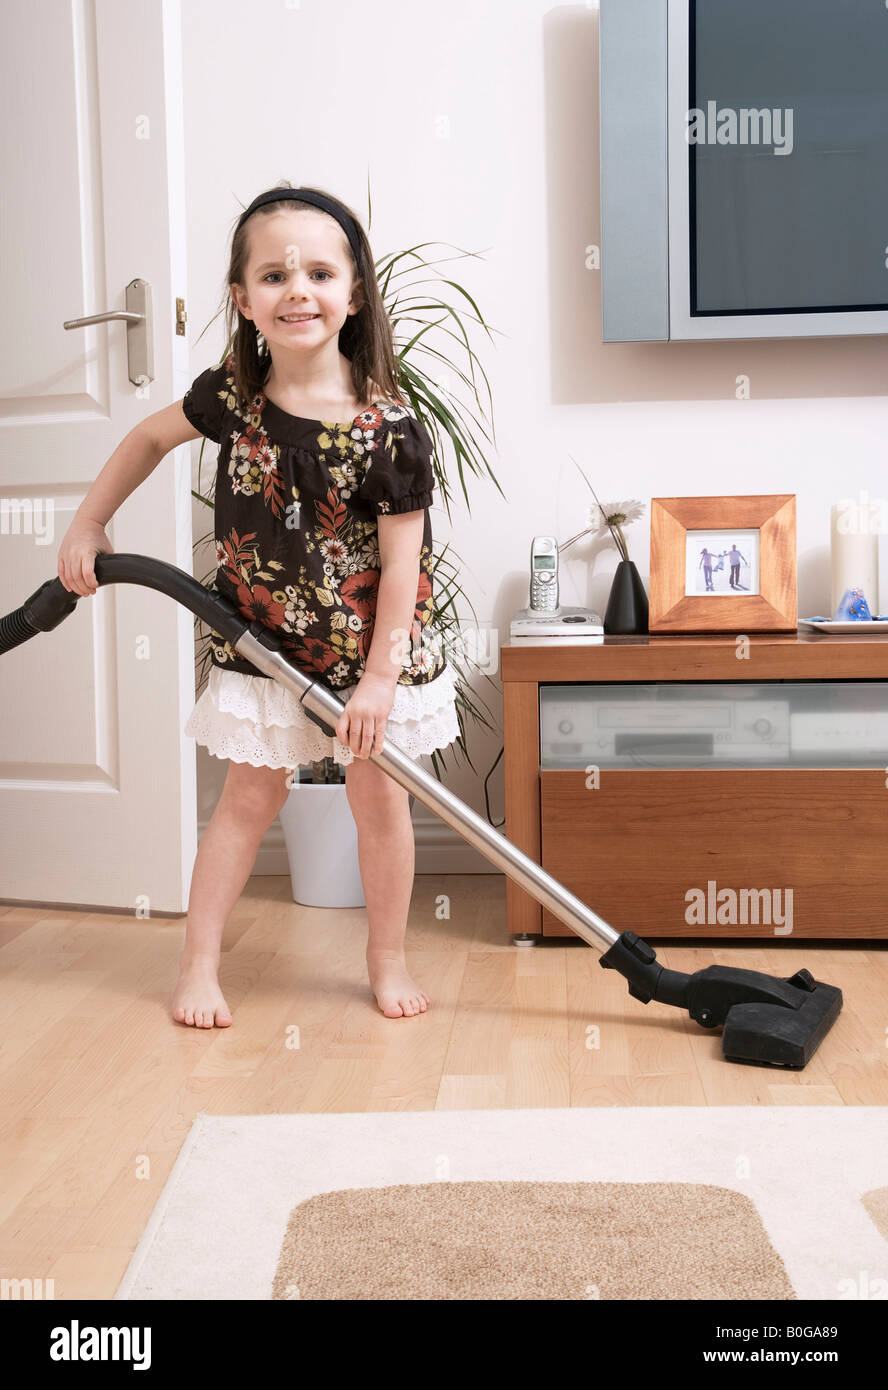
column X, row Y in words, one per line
column 299, row 265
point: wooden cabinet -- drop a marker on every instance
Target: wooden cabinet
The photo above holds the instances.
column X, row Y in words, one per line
column 795, row 849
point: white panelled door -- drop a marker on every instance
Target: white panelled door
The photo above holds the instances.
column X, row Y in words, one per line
column 97, row 782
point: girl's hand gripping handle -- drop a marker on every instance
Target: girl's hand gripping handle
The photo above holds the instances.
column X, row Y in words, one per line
column 82, row 542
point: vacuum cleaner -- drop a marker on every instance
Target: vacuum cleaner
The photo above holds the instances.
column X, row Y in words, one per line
column 765, row 1021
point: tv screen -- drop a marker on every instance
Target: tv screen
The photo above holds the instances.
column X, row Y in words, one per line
column 788, row 150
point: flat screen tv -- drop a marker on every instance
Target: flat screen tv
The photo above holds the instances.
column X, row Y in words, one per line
column 744, row 168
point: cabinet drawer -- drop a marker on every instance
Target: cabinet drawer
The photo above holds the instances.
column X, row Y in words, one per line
column 730, row 853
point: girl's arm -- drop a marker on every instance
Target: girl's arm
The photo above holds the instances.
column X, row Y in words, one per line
column 362, row 723
column 400, row 548
column 134, row 459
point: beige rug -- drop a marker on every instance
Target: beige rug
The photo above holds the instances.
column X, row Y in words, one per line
column 525, row 1240
column 876, row 1203
column 619, row 1203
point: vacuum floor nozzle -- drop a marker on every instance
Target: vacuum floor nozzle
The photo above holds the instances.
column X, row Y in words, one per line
column 772, row 1035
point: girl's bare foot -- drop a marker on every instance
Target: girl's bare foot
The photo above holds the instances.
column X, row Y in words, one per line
column 397, row 994
column 198, row 1001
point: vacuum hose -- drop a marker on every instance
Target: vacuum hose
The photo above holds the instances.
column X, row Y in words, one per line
column 52, row 602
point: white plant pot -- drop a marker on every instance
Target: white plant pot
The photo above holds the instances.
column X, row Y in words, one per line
column 322, row 846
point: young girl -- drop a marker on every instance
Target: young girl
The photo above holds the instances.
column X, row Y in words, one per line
column 322, row 530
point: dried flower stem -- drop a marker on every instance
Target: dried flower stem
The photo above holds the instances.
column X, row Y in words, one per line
column 614, row 527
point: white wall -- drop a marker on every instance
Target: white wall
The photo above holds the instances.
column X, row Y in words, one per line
column 477, row 126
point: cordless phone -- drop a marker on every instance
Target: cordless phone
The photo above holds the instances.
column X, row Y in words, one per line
column 544, row 575
column 546, row 619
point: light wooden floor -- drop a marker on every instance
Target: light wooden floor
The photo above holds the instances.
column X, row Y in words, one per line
column 100, row 1087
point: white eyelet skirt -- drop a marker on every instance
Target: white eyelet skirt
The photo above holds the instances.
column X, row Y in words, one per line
column 253, row 719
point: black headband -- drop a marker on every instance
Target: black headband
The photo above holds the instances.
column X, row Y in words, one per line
column 305, row 195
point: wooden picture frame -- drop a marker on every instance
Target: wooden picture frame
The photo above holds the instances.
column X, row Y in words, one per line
column 771, row 605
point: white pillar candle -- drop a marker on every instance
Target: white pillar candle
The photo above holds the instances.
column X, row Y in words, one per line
column 854, row 553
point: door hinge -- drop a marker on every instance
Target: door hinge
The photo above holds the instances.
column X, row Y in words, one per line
column 181, row 316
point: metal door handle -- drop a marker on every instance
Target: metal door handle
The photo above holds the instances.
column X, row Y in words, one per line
column 104, row 318
column 138, row 317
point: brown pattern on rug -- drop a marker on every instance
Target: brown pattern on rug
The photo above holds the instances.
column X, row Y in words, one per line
column 876, row 1204
column 530, row 1240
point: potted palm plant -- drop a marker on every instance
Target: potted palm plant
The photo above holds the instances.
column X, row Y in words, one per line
column 413, row 312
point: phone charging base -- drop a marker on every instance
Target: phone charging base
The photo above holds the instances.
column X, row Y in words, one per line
column 560, row 622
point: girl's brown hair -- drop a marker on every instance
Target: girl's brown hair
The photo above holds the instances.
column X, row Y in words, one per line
column 365, row 338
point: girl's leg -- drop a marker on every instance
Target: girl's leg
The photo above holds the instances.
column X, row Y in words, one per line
column 250, row 800
column 386, row 855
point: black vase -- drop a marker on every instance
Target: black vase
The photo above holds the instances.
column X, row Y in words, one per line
column 627, row 607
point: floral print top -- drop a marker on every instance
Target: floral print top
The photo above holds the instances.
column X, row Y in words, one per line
column 296, row 507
